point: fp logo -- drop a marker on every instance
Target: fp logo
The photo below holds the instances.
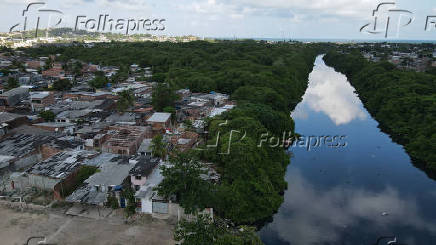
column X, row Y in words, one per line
column 388, row 20
column 34, row 14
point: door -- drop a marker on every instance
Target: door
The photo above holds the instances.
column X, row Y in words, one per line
column 122, row 202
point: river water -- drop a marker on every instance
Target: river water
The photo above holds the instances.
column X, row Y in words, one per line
column 352, row 189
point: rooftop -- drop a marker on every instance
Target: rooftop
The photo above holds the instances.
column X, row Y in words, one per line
column 21, row 144
column 111, row 174
column 7, row 117
column 145, row 146
column 55, row 124
column 60, row 165
column 39, row 95
column 159, row 117
column 144, row 165
column 15, row 91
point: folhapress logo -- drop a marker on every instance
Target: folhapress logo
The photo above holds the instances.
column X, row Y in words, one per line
column 388, row 20
column 35, row 15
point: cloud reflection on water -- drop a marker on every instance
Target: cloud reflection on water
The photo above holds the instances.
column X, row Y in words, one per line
column 314, row 216
column 330, row 93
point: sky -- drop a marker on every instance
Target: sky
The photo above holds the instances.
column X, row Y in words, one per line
column 318, row 19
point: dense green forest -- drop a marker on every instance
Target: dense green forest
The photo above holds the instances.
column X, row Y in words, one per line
column 266, row 80
column 403, row 102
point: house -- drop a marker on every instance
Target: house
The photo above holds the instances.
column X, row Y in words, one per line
column 144, row 165
column 147, row 199
column 63, row 127
column 21, row 150
column 58, row 172
column 13, row 96
column 149, row 202
column 107, row 182
column 88, row 96
column 220, row 110
column 41, row 100
column 10, row 121
column 34, row 64
column 184, row 141
column 125, row 140
column 72, row 115
column 56, row 71
column 145, row 148
column 159, row 121
column 24, row 150
column 126, row 118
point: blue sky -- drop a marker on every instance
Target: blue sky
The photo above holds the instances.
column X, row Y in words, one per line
column 242, row 18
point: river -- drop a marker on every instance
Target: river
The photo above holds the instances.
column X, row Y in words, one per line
column 352, row 189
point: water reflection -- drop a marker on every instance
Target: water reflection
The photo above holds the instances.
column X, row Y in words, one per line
column 314, row 216
column 330, row 93
column 338, row 196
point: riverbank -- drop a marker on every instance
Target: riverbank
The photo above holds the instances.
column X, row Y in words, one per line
column 402, row 102
column 354, row 194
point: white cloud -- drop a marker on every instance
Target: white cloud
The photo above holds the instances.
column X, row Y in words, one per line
column 313, row 216
column 349, row 8
column 330, row 93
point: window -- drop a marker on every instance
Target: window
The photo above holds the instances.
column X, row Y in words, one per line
column 138, row 177
column 137, row 187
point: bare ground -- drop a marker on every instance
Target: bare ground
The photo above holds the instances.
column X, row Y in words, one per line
column 16, row 227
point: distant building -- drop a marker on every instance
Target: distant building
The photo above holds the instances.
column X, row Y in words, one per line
column 63, row 127
column 13, row 96
column 10, row 121
column 41, row 100
column 88, row 96
column 56, row 71
column 125, row 140
column 34, row 64
column 159, row 121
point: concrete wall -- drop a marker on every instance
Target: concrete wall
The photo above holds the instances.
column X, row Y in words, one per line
column 42, row 182
column 146, row 206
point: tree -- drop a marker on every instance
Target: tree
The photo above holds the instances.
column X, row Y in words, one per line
column 121, row 75
column 172, row 110
column 126, row 100
column 158, row 147
column 48, row 116
column 12, row 83
column 183, row 181
column 98, row 82
column 203, row 230
column 49, row 64
column 163, row 96
column 129, row 195
column 62, row 85
column 77, row 68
